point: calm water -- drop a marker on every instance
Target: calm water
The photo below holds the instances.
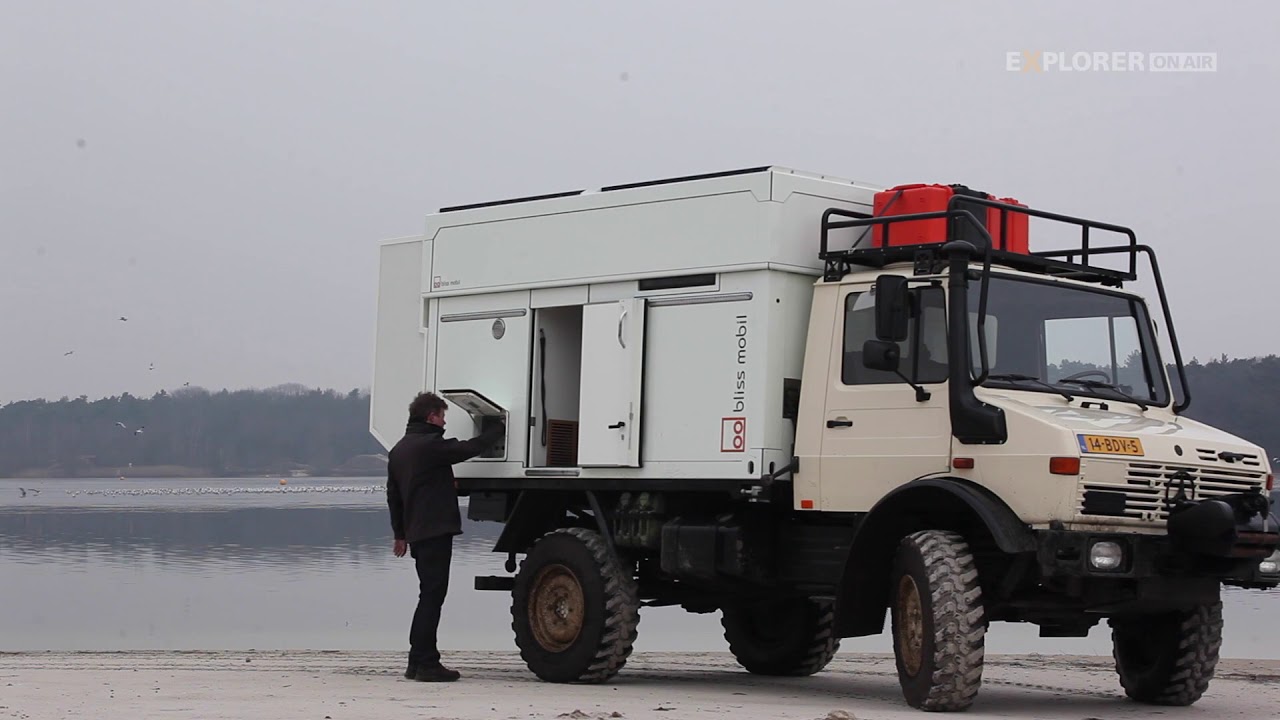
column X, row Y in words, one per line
column 243, row 563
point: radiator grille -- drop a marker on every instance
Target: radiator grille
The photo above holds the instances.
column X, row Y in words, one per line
column 1148, row 490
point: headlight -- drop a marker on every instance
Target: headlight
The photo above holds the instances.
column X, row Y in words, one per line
column 1106, row 555
column 1270, row 566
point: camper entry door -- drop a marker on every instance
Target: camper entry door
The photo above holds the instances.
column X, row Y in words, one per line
column 612, row 371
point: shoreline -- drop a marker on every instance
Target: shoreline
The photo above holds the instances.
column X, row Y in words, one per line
column 339, row 685
column 188, row 474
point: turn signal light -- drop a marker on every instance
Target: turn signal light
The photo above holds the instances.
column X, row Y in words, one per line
column 1271, row 480
column 962, row 463
column 1064, row 465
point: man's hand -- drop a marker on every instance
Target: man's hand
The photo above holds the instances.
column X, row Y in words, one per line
column 401, row 547
column 497, row 431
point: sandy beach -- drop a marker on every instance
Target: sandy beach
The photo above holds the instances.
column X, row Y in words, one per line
column 663, row 686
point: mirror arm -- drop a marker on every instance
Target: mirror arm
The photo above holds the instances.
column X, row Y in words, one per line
column 921, row 394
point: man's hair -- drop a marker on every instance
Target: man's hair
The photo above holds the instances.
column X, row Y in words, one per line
column 425, row 404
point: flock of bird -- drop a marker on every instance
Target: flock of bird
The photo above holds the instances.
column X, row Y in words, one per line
column 150, row 366
column 119, row 492
column 111, row 492
column 137, row 431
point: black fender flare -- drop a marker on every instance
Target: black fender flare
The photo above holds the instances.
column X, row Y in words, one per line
column 532, row 515
column 862, row 594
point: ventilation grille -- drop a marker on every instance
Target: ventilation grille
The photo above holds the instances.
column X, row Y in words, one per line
column 562, row 443
column 1149, row 489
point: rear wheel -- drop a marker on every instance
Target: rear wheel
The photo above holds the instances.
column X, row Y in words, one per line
column 783, row 637
column 939, row 626
column 574, row 609
column 1168, row 659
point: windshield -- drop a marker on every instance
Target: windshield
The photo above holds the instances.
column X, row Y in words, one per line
column 1050, row 337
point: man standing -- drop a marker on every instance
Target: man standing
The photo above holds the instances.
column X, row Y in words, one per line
column 423, row 498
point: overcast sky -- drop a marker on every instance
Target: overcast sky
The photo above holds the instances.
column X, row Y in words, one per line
column 220, row 172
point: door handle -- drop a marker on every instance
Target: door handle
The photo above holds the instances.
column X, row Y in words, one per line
column 617, row 425
column 839, row 423
column 622, row 319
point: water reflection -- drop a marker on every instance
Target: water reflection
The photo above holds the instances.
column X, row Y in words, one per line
column 304, row 539
column 224, row 570
column 314, row 570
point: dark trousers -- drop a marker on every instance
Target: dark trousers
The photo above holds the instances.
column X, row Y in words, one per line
column 431, row 557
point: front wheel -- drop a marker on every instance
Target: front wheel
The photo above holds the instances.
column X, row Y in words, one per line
column 939, row 626
column 1168, row 659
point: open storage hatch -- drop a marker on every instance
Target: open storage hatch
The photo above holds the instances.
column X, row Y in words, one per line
column 484, row 413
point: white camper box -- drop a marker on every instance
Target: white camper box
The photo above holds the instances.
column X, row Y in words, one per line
column 660, row 321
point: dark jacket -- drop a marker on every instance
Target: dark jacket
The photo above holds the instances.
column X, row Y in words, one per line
column 421, row 493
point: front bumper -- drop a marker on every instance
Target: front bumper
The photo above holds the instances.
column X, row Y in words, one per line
column 1225, row 538
column 1066, row 554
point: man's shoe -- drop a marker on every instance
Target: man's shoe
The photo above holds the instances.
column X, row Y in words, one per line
column 436, row 673
column 410, row 672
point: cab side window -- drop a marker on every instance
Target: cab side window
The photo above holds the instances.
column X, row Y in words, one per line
column 923, row 353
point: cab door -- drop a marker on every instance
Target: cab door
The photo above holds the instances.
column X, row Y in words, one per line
column 876, row 435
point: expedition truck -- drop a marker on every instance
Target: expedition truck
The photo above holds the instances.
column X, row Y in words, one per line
column 815, row 405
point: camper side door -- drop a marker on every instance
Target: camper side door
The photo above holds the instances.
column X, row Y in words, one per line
column 612, row 369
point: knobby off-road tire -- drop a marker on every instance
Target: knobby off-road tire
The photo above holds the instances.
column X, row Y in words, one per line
column 1168, row 659
column 792, row 637
column 939, row 626
column 574, row 609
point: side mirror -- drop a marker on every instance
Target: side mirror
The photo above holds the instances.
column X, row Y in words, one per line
column 880, row 355
column 892, row 308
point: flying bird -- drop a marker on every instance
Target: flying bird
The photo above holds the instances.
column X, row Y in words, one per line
column 69, row 352
column 120, row 424
column 151, row 366
column 123, row 319
column 139, row 430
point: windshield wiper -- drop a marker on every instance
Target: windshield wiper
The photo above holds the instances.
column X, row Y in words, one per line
column 1030, row 378
column 1100, row 385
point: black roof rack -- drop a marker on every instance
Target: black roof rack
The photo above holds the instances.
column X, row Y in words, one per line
column 1058, row 263
column 929, row 258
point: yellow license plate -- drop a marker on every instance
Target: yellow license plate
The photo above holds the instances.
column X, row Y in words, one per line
column 1110, row 445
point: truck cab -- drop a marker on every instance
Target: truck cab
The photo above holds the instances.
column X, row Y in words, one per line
column 1090, row 423
column 1008, row 421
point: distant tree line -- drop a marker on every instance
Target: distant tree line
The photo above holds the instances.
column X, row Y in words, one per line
column 277, row 430
column 320, row 431
column 1240, row 396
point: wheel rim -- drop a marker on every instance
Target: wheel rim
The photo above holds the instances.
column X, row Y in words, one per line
column 910, row 625
column 556, row 608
